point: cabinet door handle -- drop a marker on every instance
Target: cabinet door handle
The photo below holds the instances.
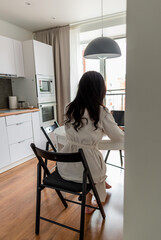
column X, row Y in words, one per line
column 19, row 123
column 21, row 141
column 7, row 75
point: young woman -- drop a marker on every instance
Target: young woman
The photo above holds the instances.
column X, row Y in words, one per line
column 86, row 121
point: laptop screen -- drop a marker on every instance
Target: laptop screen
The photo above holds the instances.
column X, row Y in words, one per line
column 118, row 116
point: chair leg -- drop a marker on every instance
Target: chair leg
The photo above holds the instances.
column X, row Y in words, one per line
column 99, row 204
column 98, row 199
column 107, row 156
column 121, row 158
column 46, row 162
column 93, row 186
column 82, row 218
column 62, row 198
column 38, row 200
column 83, row 197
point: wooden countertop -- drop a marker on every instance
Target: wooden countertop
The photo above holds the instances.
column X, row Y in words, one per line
column 9, row 112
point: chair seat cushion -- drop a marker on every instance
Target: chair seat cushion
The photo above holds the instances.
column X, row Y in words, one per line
column 55, row 180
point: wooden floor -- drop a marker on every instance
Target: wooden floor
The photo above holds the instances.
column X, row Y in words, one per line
column 17, row 208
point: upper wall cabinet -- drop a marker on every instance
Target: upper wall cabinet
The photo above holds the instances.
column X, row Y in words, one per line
column 18, row 51
column 7, row 59
column 38, row 58
column 11, row 57
column 43, row 58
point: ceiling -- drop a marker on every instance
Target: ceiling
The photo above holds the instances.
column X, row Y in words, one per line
column 34, row 15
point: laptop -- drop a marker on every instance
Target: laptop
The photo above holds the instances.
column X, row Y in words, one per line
column 119, row 117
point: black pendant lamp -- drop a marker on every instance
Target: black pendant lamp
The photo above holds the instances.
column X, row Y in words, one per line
column 102, row 47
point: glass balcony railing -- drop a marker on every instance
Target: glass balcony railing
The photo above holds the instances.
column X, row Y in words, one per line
column 115, row 99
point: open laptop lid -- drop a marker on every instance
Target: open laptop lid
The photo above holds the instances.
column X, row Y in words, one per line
column 119, row 117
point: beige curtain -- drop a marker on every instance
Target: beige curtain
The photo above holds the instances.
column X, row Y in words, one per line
column 59, row 39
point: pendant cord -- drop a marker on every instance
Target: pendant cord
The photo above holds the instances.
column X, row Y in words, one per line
column 102, row 15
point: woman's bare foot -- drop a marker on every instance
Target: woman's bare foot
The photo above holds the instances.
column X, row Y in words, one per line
column 89, row 210
column 94, row 203
column 108, row 186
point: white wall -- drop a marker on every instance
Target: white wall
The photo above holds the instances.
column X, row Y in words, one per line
column 142, row 209
column 94, row 24
column 15, row 32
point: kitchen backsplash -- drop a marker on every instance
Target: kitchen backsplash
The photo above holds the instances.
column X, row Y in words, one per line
column 5, row 92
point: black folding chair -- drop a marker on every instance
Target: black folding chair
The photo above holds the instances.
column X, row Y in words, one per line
column 46, row 131
column 119, row 119
column 53, row 180
column 121, row 160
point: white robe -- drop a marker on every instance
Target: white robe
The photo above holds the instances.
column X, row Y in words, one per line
column 88, row 138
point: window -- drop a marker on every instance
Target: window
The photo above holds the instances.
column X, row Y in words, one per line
column 114, row 72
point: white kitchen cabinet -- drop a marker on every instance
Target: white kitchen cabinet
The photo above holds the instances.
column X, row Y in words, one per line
column 16, row 119
column 4, row 147
column 20, row 135
column 17, row 132
column 38, row 58
column 7, row 58
column 36, row 129
column 21, row 150
column 18, row 52
column 43, row 56
column 38, row 63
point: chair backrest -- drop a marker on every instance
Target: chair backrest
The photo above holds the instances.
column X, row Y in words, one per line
column 48, row 130
column 61, row 157
column 118, row 116
column 52, row 127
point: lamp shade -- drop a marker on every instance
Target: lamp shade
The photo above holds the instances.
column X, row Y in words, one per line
column 102, row 47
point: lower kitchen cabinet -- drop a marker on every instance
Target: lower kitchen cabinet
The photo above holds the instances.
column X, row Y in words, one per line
column 21, row 150
column 18, row 132
column 20, row 135
column 4, row 147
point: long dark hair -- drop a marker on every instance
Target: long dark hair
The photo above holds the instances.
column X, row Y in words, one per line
column 90, row 95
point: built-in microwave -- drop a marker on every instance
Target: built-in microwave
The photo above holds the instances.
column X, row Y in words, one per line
column 47, row 113
column 45, row 88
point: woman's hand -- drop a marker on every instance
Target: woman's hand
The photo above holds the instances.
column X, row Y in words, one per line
column 122, row 128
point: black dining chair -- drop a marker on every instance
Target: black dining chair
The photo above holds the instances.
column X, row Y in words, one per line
column 46, row 131
column 121, row 157
column 118, row 116
column 54, row 181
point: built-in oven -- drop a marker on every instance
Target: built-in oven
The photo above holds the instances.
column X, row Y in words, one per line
column 45, row 88
column 47, row 113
